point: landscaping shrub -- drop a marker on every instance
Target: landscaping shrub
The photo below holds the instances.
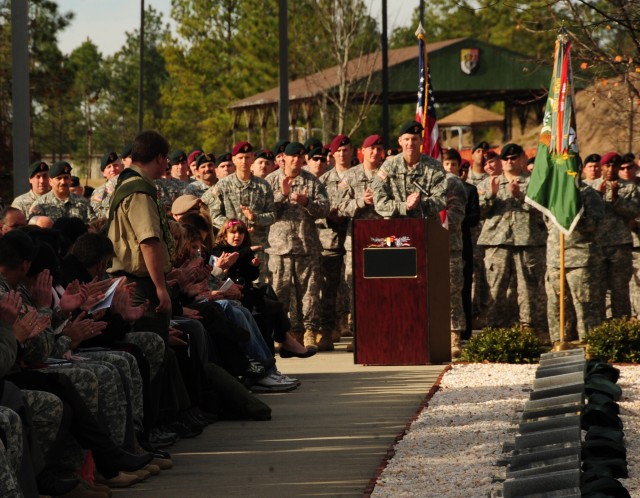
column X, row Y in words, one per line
column 503, row 345
column 616, row 340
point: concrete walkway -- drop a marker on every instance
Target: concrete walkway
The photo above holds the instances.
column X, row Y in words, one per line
column 325, row 439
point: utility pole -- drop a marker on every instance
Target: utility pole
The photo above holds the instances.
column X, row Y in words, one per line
column 385, row 77
column 141, row 70
column 20, row 88
column 283, row 102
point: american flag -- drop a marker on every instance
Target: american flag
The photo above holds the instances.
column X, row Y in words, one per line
column 426, row 109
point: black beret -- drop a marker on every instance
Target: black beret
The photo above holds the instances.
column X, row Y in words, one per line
column 223, row 158
column 484, row 145
column 75, row 181
column 312, row 143
column 265, row 154
column 411, row 127
column 318, row 151
column 177, row 156
column 37, row 167
column 205, row 158
column 592, row 158
column 107, row 159
column 511, row 150
column 126, row 151
column 279, row 147
column 294, row 149
column 59, row 168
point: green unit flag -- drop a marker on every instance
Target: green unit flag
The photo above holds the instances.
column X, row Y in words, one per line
column 554, row 185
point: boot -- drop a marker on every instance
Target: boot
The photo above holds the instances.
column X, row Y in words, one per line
column 324, row 341
column 345, row 326
column 309, row 341
column 456, row 348
column 336, row 335
column 298, row 336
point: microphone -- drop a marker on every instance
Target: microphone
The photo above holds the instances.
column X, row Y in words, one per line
column 419, row 187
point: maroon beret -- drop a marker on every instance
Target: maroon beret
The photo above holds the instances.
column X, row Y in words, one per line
column 338, row 141
column 241, row 147
column 611, row 157
column 193, row 156
column 372, row 140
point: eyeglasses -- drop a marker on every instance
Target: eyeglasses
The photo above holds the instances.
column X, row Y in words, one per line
column 624, row 168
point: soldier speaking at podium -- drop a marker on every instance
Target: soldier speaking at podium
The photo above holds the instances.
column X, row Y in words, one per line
column 410, row 184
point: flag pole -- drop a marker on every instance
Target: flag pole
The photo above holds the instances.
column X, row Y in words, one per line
column 420, row 32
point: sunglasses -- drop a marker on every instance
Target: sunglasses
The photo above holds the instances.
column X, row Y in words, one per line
column 511, row 158
column 624, row 168
column 321, row 159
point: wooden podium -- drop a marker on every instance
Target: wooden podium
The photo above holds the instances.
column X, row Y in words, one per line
column 401, row 293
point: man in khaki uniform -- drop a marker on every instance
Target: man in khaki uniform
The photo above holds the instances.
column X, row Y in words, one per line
column 140, row 233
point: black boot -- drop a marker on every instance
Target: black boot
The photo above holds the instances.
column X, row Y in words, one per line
column 50, row 484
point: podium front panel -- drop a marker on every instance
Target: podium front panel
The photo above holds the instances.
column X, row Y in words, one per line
column 391, row 300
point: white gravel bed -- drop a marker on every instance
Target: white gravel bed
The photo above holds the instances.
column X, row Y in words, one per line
column 452, row 447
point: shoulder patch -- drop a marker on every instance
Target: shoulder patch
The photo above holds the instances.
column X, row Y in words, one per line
column 343, row 185
column 382, row 175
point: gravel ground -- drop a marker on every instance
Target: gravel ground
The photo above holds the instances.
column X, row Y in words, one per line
column 451, row 448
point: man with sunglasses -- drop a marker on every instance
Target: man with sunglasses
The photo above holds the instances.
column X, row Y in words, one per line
column 622, row 206
column 514, row 238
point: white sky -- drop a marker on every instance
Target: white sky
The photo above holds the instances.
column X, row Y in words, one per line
column 106, row 21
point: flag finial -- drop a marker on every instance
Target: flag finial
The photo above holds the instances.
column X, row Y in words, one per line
column 420, row 31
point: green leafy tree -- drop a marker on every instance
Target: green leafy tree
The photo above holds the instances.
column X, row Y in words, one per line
column 89, row 83
column 116, row 120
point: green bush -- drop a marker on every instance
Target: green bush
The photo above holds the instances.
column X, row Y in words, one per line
column 616, row 340
column 503, row 345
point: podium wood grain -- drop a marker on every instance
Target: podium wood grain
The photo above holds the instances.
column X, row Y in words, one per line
column 403, row 321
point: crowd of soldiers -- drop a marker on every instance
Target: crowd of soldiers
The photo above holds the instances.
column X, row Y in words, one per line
column 297, row 204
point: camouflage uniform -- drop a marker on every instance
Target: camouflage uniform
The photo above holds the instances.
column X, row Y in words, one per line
column 332, row 232
column 480, row 288
column 197, row 188
column 456, row 204
column 173, row 187
column 25, row 201
column 9, row 487
column 224, row 200
column 395, row 181
column 634, row 288
column 46, row 416
column 614, row 237
column 131, row 381
column 294, row 246
column 152, row 346
column 101, row 198
column 11, row 428
column 75, row 206
column 514, row 237
column 351, row 204
column 583, row 264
